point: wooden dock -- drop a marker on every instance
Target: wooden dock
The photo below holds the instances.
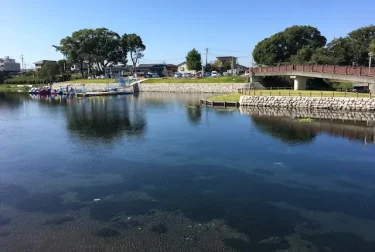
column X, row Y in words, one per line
column 88, row 94
column 222, row 104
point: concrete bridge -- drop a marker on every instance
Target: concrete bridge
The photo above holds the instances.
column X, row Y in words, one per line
column 300, row 74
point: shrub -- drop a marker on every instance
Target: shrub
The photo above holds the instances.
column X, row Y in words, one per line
column 26, row 80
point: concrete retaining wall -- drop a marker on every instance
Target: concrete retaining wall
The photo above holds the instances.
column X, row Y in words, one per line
column 359, row 104
column 192, row 88
column 166, row 87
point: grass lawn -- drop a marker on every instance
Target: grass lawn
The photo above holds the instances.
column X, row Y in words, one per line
column 224, row 79
column 304, row 93
column 14, row 88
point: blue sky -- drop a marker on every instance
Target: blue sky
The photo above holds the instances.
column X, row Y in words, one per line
column 169, row 28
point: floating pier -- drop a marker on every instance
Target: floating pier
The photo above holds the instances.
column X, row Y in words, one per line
column 219, row 103
column 88, row 94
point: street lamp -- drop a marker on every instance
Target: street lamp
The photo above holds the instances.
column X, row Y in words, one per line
column 370, row 54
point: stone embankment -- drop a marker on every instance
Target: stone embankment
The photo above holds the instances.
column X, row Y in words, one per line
column 336, row 103
column 163, row 87
column 296, row 113
column 192, row 87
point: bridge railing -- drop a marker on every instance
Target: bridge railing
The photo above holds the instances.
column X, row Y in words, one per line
column 329, row 69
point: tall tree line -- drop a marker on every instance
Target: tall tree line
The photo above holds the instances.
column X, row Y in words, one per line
column 306, row 45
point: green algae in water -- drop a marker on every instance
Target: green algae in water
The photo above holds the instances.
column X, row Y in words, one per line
column 305, row 120
column 193, row 106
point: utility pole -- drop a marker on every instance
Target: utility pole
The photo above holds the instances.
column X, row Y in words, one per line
column 206, row 55
column 370, row 54
column 22, row 63
column 232, row 66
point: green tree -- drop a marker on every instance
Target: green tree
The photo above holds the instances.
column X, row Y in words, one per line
column 208, row 68
column 281, row 46
column 74, row 47
column 49, row 70
column 97, row 47
column 320, row 57
column 226, row 66
column 340, row 51
column 303, row 56
column 361, row 39
column 135, row 47
column 215, row 66
column 64, row 67
column 194, row 60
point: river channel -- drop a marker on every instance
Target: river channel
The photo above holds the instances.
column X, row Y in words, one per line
column 160, row 172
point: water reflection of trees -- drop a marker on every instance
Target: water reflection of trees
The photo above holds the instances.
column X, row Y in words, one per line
column 292, row 132
column 284, row 129
column 105, row 118
column 194, row 113
column 12, row 100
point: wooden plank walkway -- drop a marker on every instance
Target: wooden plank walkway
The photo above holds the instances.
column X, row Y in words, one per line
column 219, row 103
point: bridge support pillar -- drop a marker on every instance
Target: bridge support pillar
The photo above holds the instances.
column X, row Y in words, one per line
column 255, row 79
column 299, row 82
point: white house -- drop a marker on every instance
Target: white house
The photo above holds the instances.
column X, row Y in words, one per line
column 8, row 65
column 182, row 68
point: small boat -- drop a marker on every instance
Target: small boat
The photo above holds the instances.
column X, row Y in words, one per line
column 60, row 91
column 34, row 91
column 45, row 90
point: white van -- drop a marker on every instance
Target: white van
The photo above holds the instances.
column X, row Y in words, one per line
column 214, row 74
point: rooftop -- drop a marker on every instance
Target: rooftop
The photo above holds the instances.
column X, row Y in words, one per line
column 43, row 61
column 151, row 65
column 222, row 57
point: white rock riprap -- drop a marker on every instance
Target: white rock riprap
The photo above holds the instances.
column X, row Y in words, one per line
column 333, row 103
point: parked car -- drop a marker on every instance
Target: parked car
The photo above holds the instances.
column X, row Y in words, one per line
column 187, row 75
column 207, row 74
column 214, row 74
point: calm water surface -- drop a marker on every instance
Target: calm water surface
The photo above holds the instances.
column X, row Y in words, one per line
column 157, row 172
